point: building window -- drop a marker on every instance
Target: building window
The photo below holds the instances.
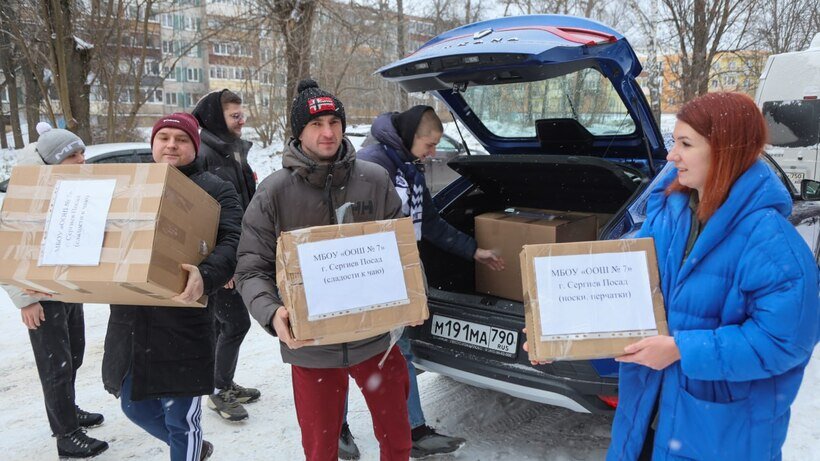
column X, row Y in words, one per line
column 152, row 68
column 127, row 96
column 154, row 96
column 191, row 23
column 170, row 99
column 193, row 74
column 193, row 52
column 222, row 49
column 168, row 46
column 166, row 20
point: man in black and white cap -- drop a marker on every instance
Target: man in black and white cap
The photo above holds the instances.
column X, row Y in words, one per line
column 320, row 174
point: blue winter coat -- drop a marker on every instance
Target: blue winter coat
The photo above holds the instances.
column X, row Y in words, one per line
column 743, row 310
column 434, row 228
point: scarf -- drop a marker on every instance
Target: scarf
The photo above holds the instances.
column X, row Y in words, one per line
column 411, row 178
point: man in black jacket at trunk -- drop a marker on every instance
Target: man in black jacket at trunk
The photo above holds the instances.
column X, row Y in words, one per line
column 160, row 360
column 225, row 154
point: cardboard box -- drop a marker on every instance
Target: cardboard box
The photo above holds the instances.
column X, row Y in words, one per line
column 331, row 280
column 596, row 299
column 506, row 232
column 158, row 219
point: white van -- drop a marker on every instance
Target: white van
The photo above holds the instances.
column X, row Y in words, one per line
column 788, row 95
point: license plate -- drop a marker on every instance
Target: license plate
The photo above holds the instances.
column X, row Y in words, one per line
column 483, row 337
column 795, row 177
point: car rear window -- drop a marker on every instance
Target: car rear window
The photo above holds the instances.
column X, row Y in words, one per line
column 510, row 110
column 793, row 123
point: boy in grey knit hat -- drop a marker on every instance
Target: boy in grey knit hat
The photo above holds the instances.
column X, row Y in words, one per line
column 57, row 329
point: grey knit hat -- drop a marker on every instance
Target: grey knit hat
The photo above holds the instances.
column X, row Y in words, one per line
column 56, row 144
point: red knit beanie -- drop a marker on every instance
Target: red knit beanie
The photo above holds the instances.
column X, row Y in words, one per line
column 180, row 121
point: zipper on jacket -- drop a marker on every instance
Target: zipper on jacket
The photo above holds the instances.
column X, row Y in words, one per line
column 344, row 355
column 329, row 193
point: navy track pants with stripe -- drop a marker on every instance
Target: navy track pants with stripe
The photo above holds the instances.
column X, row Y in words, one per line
column 176, row 421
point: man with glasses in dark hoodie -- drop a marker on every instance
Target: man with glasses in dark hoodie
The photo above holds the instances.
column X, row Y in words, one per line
column 319, row 178
column 225, row 154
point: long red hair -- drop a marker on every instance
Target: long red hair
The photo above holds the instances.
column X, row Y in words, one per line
column 736, row 132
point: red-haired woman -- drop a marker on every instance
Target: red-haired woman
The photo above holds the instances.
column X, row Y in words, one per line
column 741, row 292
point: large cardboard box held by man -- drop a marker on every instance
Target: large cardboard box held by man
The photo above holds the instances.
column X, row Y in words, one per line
column 157, row 220
column 348, row 282
column 588, row 300
column 506, row 232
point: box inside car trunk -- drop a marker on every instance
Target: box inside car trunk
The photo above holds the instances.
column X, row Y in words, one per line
column 506, row 232
column 562, row 183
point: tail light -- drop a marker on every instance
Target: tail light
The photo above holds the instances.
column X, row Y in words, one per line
column 611, row 400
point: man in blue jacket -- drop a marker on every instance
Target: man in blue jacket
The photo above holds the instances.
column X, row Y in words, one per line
column 399, row 142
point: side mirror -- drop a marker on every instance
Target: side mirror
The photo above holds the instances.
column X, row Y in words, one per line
column 810, row 190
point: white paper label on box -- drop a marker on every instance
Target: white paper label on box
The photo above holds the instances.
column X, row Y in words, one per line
column 594, row 296
column 75, row 224
column 352, row 274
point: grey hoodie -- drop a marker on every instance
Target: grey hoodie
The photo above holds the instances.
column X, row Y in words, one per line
column 304, row 194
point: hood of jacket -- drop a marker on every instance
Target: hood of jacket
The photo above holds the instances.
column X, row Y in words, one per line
column 383, row 131
column 209, row 114
column 315, row 173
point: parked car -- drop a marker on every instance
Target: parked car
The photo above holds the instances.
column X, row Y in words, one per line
column 437, row 173
column 123, row 152
column 788, row 96
column 554, row 101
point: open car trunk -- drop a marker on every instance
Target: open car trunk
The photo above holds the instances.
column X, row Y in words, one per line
column 562, row 183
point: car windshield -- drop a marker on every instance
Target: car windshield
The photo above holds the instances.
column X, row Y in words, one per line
column 510, row 110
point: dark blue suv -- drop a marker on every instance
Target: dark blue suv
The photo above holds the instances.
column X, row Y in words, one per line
column 554, row 101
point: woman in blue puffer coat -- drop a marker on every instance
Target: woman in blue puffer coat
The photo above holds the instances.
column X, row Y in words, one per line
column 741, row 292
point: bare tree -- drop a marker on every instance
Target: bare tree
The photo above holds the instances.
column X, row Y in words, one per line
column 701, row 29
column 648, row 23
column 787, row 25
column 294, row 19
column 9, row 66
column 70, row 65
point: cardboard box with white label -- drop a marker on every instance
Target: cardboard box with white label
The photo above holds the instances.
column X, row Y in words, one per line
column 105, row 233
column 348, row 282
column 588, row 300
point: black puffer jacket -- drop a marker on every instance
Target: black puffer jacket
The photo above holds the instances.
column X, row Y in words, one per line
column 170, row 350
column 222, row 153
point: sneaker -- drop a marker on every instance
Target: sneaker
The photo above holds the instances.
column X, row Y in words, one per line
column 347, row 447
column 207, row 450
column 428, row 442
column 79, row 445
column 245, row 394
column 86, row 419
column 225, row 403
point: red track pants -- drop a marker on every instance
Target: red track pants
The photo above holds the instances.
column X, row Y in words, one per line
column 319, row 394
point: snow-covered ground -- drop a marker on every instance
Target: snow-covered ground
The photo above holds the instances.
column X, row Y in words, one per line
column 497, row 427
